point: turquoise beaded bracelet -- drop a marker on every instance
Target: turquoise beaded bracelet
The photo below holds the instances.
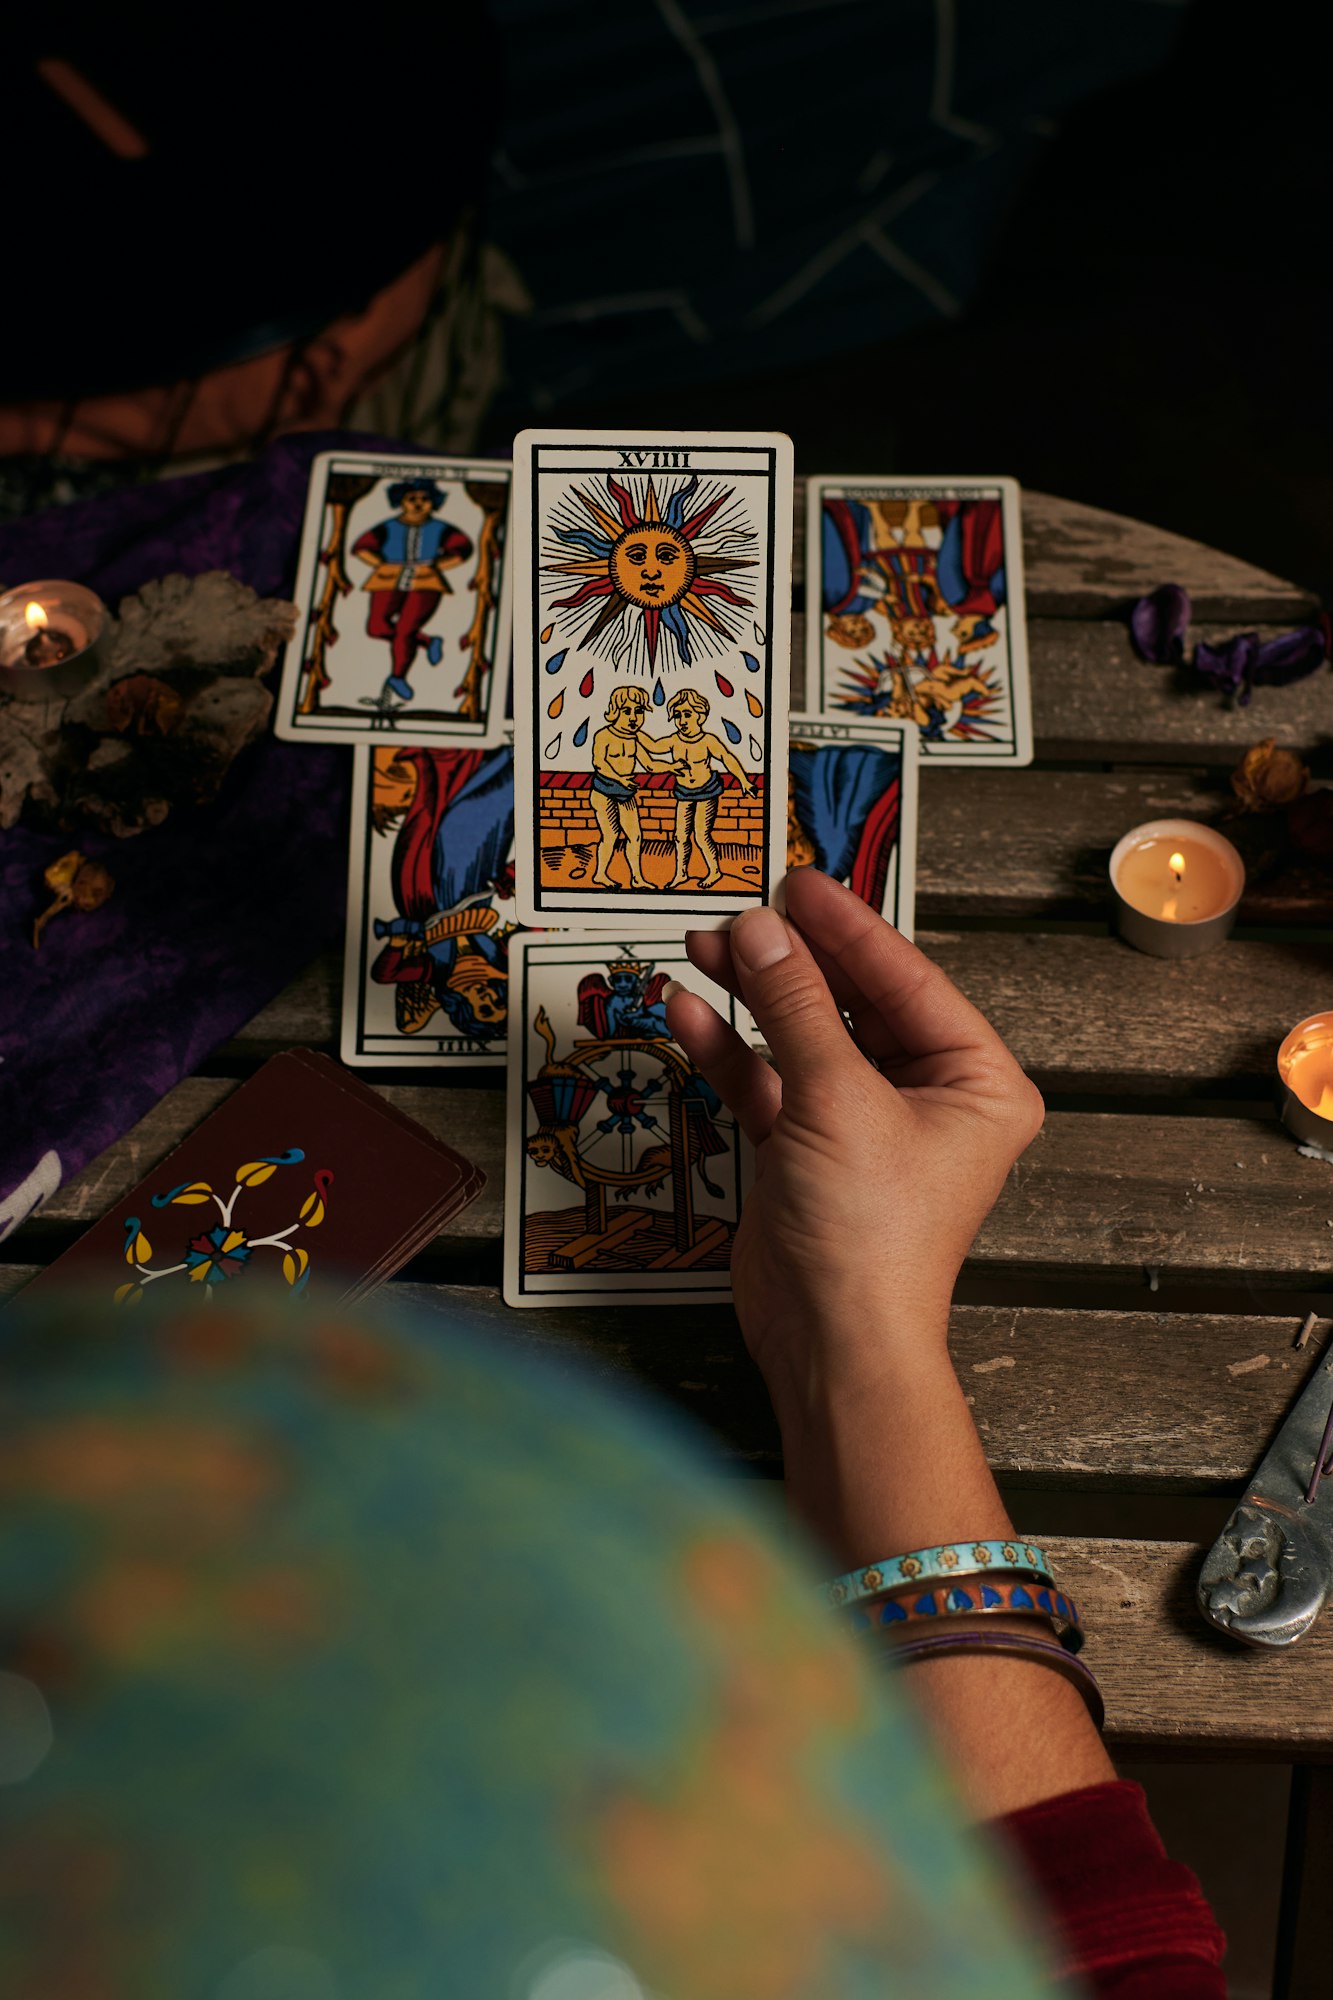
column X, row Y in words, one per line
column 941, row 1565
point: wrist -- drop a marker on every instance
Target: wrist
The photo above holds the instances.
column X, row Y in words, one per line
column 881, row 1462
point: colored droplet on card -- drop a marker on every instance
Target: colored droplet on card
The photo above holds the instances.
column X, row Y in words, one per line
column 553, row 708
column 758, row 635
column 546, row 634
column 659, row 694
column 755, row 751
column 751, row 663
column 723, row 684
column 585, row 685
column 755, row 705
column 733, row 734
column 581, row 734
column 553, row 747
column 556, row 661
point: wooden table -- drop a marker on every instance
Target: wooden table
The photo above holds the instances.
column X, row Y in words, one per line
column 1127, row 1317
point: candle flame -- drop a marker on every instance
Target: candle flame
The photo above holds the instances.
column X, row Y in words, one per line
column 35, row 616
column 1177, row 866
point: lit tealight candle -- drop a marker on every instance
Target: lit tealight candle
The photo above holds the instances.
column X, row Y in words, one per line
column 1176, row 886
column 1305, row 1080
column 49, row 634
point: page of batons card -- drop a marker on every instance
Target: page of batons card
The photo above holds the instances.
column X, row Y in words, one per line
column 652, row 618
column 624, row 1172
column 914, row 612
column 404, row 601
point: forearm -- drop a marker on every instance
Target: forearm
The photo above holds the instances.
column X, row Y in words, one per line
column 883, row 1465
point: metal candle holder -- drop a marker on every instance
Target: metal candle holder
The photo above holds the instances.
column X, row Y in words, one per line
column 1170, row 937
column 72, row 614
column 1305, row 1124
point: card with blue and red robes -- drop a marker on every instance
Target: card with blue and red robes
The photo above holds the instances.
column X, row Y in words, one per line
column 914, row 612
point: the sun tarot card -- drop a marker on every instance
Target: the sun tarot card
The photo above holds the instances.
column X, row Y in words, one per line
column 652, row 579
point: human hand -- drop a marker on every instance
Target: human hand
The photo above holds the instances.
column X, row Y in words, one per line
column 879, row 1153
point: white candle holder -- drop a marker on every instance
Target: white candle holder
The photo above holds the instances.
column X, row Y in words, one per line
column 1176, row 937
column 1303, row 1120
column 50, row 639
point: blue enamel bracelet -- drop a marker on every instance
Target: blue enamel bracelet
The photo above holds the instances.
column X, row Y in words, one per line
column 941, row 1565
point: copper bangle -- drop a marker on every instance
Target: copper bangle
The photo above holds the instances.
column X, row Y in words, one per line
column 1044, row 1651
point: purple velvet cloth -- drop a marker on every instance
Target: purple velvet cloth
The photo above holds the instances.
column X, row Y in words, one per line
column 214, row 911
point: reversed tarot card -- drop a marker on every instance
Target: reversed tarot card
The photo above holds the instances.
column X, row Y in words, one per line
column 914, row 612
column 624, row 1172
column 404, row 599
column 652, row 579
column 430, row 906
column 852, row 804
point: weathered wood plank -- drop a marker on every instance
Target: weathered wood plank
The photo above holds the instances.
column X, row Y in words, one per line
column 1172, row 1403
column 1144, row 1402
column 1037, row 844
column 1080, row 1013
column 1094, row 700
column 1104, row 1195
column 1172, row 1683
column 1100, row 1196
column 1082, row 562
column 1089, row 1014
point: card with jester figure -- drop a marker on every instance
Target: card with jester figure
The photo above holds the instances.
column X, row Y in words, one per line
column 652, row 580
column 403, row 592
column 430, row 906
column 625, row 1173
column 914, row 612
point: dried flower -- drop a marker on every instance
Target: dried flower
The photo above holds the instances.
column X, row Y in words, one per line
column 1246, row 662
column 77, row 884
column 1310, row 824
column 1267, row 777
column 143, row 705
column 1158, row 624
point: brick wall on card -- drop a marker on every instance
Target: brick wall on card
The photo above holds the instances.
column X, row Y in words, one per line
column 568, row 820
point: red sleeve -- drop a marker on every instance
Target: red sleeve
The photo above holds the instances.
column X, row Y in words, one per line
column 1126, row 1920
column 369, row 544
column 456, row 543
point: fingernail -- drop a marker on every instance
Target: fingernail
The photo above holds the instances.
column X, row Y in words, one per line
column 759, row 939
column 672, row 988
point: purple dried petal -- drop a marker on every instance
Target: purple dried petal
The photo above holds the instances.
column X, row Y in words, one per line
column 1158, row 625
column 1228, row 667
column 1290, row 657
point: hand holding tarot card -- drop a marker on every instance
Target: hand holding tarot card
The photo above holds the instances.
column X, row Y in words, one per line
column 652, row 585
column 404, row 603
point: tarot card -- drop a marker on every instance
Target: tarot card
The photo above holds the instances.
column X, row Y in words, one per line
column 625, row 1174
column 914, row 612
column 304, row 1174
column 652, row 578
column 430, row 906
column 851, row 809
column 404, row 599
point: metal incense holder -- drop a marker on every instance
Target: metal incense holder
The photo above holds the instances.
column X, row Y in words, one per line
column 1304, row 1123
column 1269, row 1573
column 1169, row 937
column 55, row 658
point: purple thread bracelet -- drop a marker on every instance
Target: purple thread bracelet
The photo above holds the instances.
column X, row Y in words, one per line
column 1044, row 1651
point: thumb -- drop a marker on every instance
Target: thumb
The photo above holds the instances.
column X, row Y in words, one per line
column 788, row 995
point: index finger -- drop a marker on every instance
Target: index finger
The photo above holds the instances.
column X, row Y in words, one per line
column 918, row 1003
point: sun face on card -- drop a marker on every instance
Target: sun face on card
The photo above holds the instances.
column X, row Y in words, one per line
column 655, row 551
